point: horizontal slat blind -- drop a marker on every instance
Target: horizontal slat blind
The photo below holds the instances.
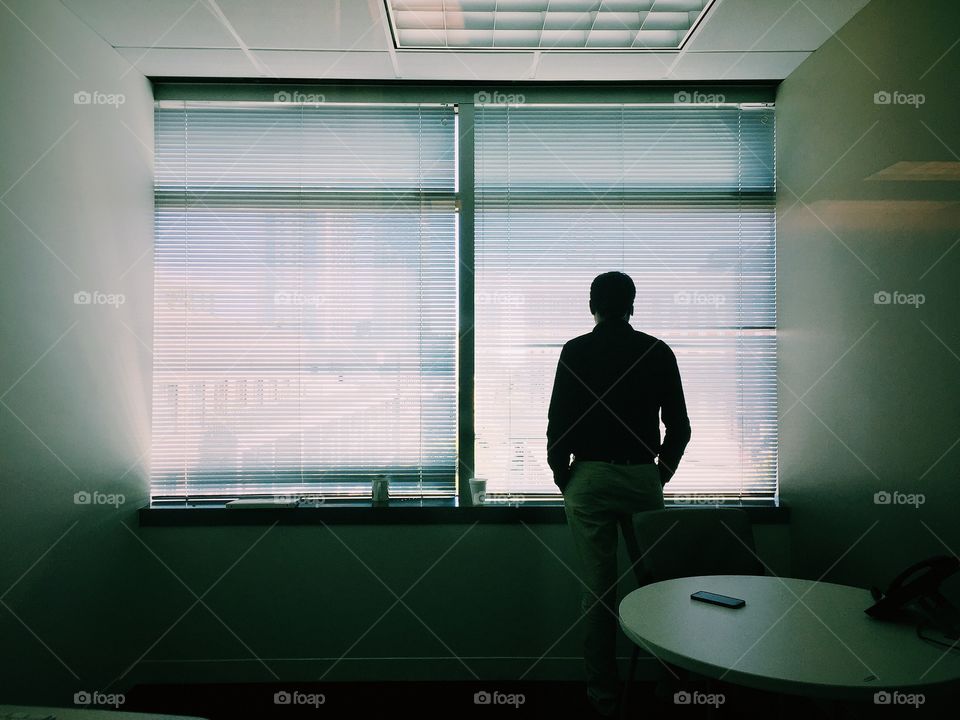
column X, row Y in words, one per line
column 306, row 320
column 679, row 197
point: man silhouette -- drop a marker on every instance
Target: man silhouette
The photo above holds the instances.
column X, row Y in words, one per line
column 612, row 388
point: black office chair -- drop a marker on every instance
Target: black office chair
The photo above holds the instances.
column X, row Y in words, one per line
column 684, row 542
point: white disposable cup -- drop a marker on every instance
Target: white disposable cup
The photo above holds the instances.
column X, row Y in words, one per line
column 478, row 490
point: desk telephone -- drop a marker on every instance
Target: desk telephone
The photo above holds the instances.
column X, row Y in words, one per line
column 916, row 593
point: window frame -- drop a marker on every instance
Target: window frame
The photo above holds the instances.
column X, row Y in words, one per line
column 464, row 97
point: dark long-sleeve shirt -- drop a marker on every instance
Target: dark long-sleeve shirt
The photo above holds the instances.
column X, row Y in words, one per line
column 613, row 385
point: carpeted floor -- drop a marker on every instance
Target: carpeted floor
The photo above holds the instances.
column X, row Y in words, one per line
column 393, row 700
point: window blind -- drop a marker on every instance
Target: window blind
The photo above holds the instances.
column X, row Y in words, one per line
column 680, row 197
column 305, row 300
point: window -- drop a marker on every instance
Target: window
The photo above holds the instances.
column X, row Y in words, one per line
column 306, row 299
column 338, row 296
column 680, row 197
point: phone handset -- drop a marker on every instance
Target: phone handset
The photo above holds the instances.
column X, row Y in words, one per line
column 918, row 588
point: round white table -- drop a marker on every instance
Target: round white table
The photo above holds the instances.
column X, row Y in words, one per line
column 823, row 645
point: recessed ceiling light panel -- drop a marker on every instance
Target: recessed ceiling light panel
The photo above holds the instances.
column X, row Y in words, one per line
column 620, row 25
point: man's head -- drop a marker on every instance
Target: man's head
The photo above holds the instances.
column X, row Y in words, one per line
column 612, row 295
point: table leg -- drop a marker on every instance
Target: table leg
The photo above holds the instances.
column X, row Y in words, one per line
column 631, row 671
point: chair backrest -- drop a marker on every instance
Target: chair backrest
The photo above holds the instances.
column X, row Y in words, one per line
column 683, row 542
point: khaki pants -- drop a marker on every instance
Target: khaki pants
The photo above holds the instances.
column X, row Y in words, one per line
column 597, row 497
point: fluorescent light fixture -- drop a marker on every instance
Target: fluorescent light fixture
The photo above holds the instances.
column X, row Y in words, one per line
column 596, row 25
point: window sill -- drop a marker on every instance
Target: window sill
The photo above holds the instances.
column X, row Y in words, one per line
column 399, row 514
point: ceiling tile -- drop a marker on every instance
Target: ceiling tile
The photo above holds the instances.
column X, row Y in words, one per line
column 189, row 62
column 772, row 26
column 321, row 64
column 352, row 25
column 430, row 65
column 142, row 23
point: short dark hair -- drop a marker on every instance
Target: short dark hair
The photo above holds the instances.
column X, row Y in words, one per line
column 612, row 294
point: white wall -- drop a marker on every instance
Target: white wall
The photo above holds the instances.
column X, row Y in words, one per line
column 76, row 215
column 879, row 383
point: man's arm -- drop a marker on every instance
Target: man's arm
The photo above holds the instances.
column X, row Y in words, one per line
column 673, row 412
column 560, row 420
